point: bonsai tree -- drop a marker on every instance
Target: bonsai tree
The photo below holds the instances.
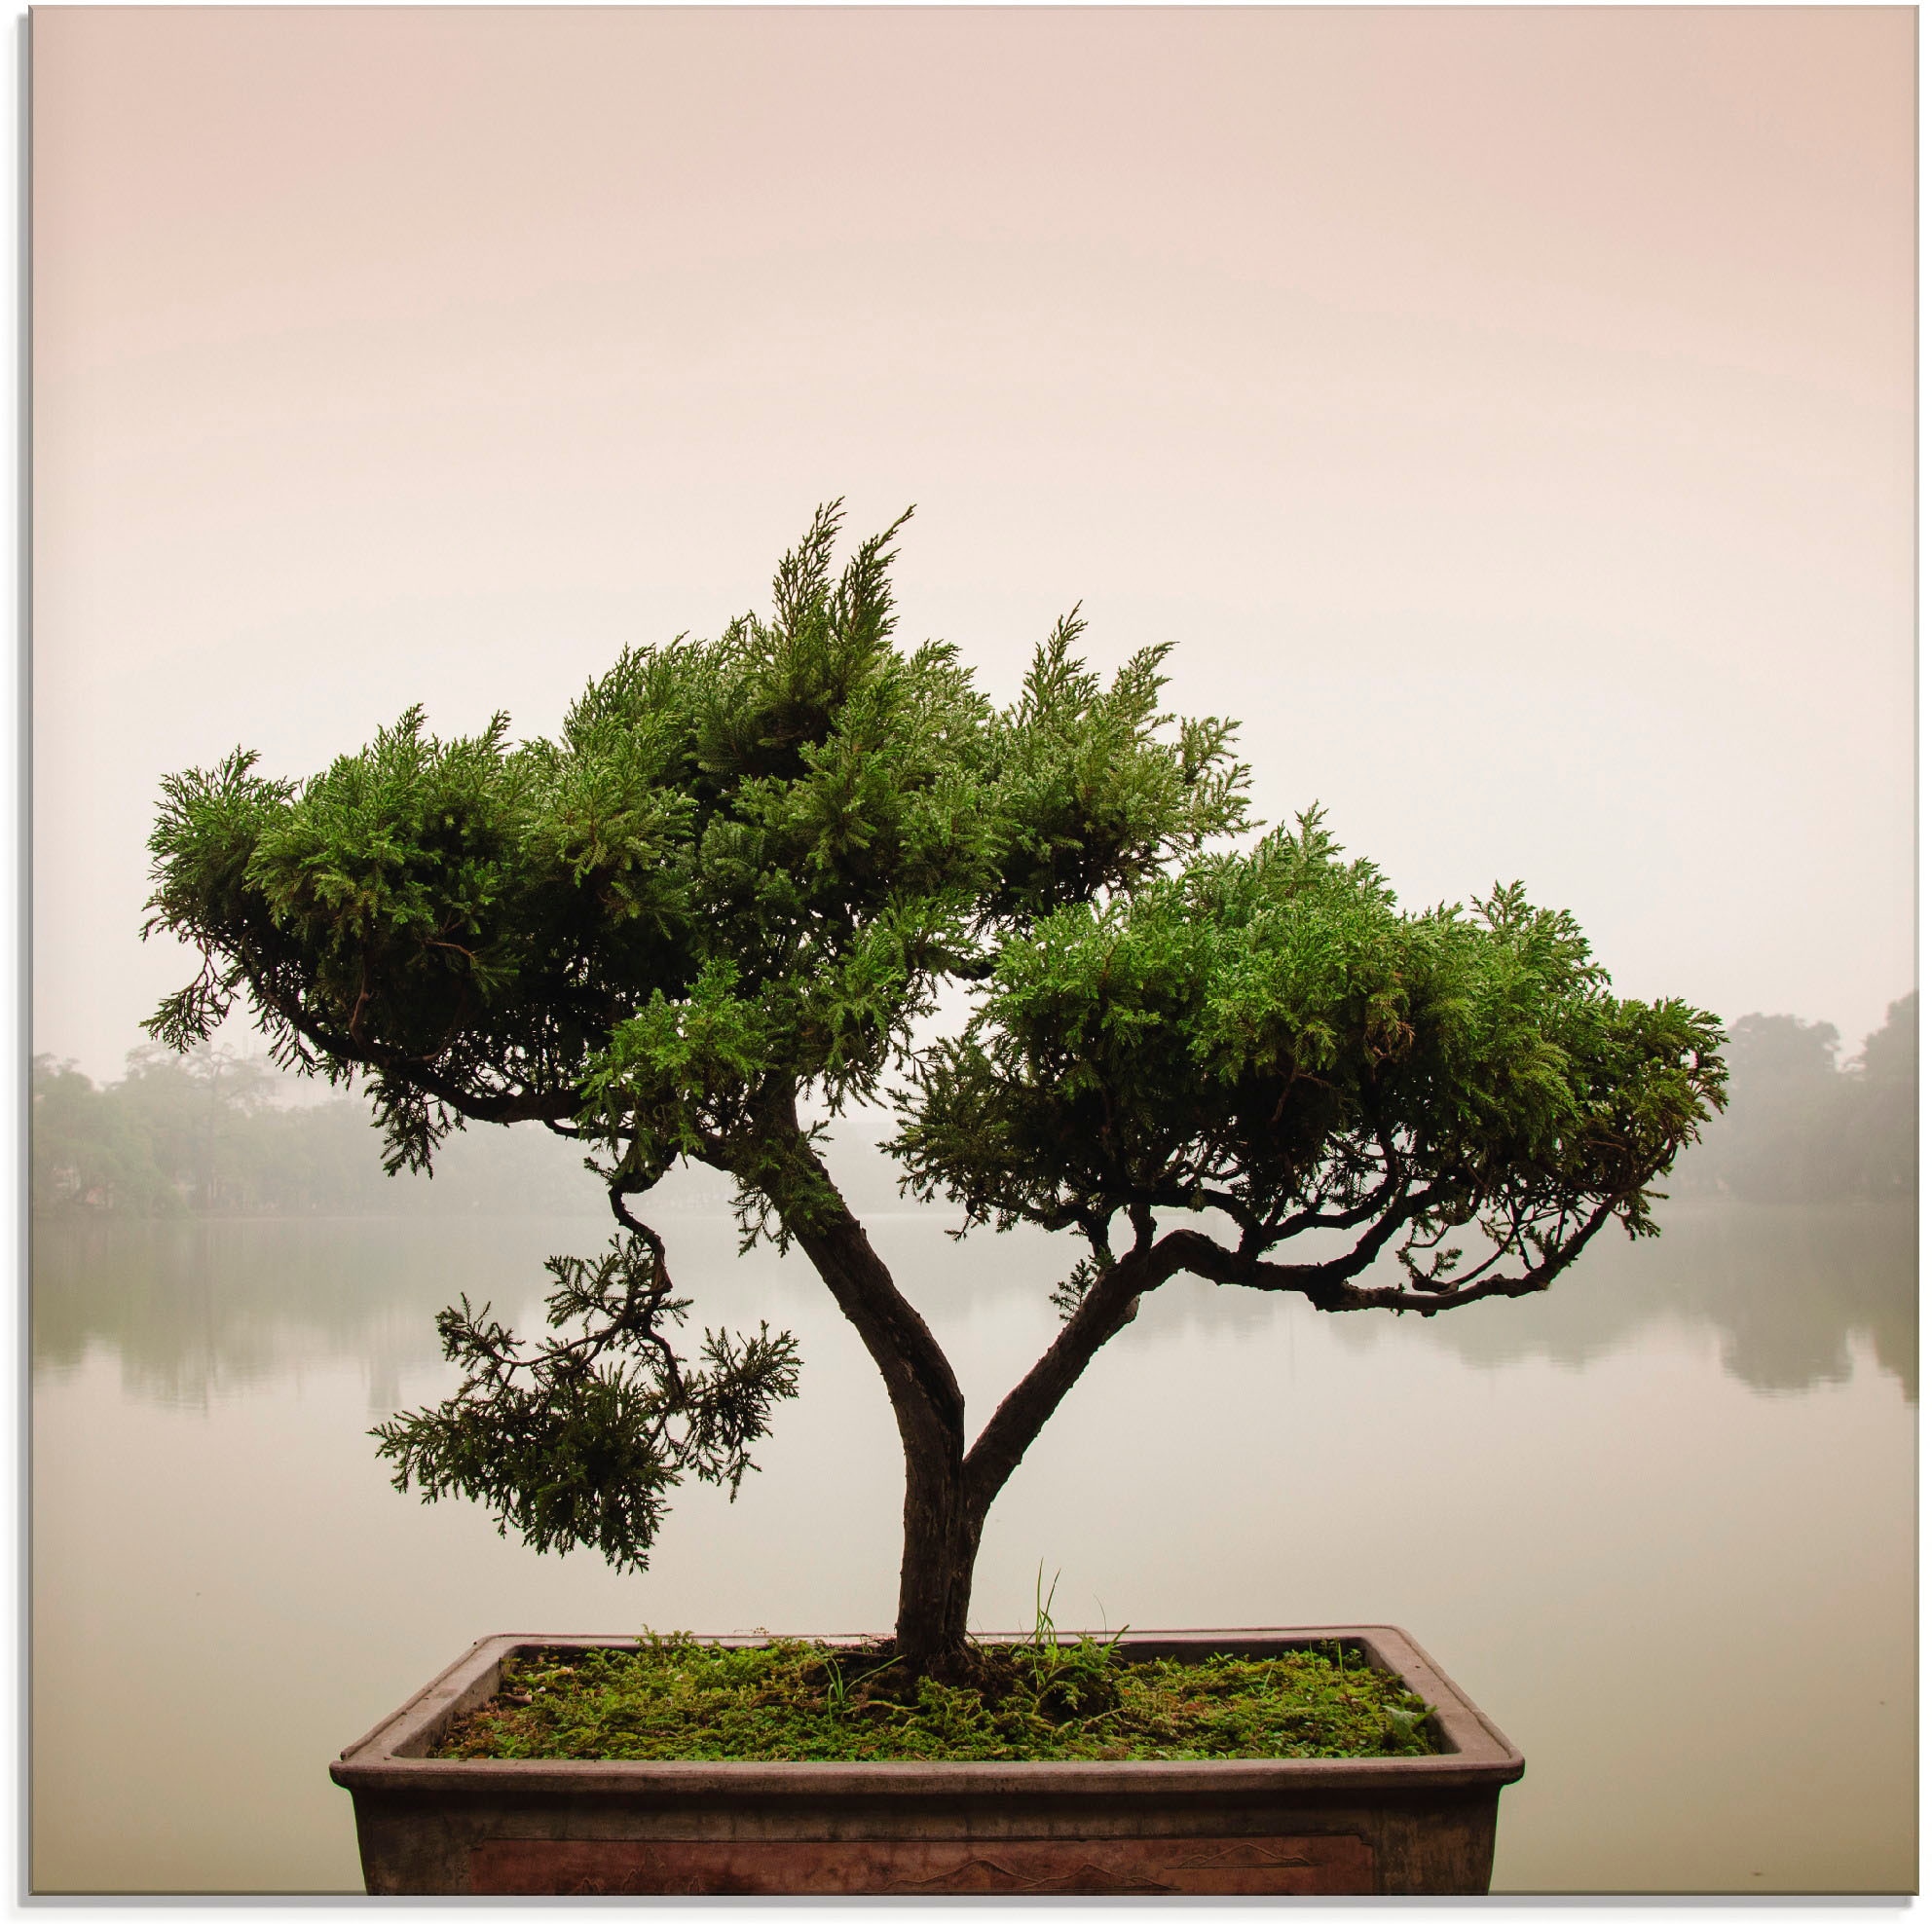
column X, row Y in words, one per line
column 736, row 889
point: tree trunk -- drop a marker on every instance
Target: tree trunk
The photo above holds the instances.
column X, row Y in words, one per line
column 936, row 1569
column 942, row 1522
column 947, row 1490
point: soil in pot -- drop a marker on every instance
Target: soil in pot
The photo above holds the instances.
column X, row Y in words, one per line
column 1032, row 1701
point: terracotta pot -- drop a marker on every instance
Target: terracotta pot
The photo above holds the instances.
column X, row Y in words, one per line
column 1369, row 1826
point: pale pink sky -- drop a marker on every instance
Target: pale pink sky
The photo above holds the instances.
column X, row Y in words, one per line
column 1510, row 413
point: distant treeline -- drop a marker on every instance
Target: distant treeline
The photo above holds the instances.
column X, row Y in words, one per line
column 213, row 1133
column 1802, row 1130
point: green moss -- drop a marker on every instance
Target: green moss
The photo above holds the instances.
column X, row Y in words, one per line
column 792, row 1702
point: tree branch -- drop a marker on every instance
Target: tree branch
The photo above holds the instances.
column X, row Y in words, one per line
column 660, row 1282
column 525, row 1106
column 926, row 1398
column 1331, row 1286
column 1107, row 1307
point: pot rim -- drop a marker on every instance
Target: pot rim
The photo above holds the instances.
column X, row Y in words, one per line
column 1474, row 1754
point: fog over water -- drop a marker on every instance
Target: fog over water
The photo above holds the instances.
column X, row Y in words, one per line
column 1614, row 1514
column 1610, row 1509
column 197, row 1308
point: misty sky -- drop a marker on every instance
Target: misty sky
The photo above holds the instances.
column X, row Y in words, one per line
column 1509, row 412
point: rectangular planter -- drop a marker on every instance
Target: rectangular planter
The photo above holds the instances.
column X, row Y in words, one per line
column 1316, row 1826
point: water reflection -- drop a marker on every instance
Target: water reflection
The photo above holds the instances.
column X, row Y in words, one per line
column 226, row 1589
column 196, row 1311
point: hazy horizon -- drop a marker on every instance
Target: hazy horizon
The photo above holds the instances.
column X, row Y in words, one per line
column 1508, row 412
column 240, row 1036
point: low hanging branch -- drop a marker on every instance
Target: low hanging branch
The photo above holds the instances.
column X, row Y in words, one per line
column 580, row 1441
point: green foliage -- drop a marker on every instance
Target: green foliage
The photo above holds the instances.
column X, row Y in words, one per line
column 577, row 1442
column 1093, row 798
column 674, row 1697
column 742, row 862
column 1267, row 1035
column 741, row 878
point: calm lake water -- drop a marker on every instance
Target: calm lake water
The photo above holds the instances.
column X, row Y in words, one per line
column 1659, row 1524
